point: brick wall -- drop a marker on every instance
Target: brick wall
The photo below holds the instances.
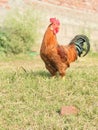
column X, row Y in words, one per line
column 90, row 5
column 4, row 4
column 76, row 16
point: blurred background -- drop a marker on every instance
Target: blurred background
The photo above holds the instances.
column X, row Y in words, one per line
column 23, row 22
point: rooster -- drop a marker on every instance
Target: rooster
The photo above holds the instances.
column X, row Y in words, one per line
column 57, row 58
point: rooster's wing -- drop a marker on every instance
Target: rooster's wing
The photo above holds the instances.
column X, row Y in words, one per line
column 63, row 54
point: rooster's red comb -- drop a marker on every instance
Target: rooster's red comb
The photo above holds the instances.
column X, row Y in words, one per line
column 55, row 21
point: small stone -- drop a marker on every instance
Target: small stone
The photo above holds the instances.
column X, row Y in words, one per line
column 69, row 110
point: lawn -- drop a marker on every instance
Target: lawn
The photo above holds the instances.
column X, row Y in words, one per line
column 31, row 100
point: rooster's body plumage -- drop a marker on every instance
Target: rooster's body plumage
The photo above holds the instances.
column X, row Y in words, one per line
column 57, row 58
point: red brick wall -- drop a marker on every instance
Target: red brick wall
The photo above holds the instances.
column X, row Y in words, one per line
column 89, row 5
column 4, row 3
column 75, row 20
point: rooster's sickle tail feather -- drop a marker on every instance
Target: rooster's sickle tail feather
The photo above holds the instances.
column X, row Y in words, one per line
column 82, row 44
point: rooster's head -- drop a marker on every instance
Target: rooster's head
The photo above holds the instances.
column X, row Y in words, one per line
column 55, row 24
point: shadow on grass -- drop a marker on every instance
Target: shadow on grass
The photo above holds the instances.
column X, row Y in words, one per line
column 41, row 73
column 35, row 73
column 58, row 111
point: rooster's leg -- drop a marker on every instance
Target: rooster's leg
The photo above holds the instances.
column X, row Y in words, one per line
column 62, row 69
column 58, row 65
column 62, row 72
column 51, row 69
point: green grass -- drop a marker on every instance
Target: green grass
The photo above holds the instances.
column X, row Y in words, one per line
column 31, row 100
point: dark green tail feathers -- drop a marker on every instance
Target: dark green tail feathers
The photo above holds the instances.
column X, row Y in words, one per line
column 82, row 44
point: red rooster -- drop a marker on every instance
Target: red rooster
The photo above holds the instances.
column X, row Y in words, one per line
column 57, row 58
